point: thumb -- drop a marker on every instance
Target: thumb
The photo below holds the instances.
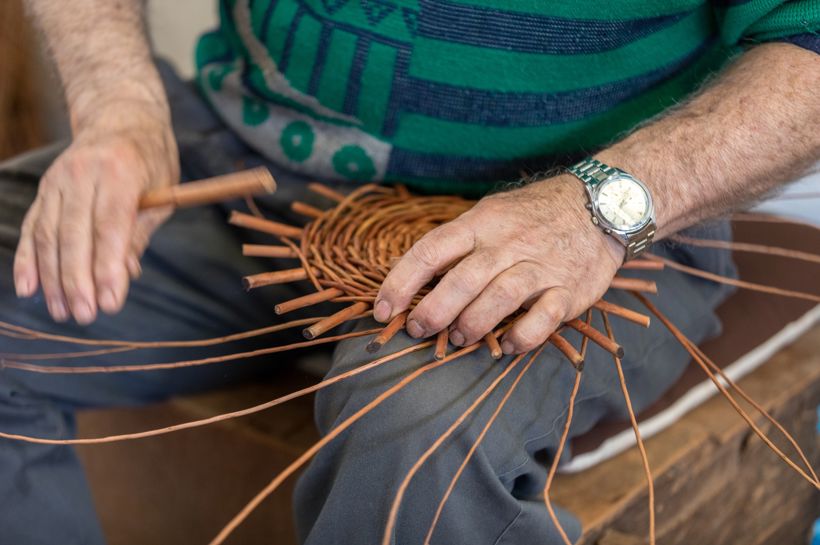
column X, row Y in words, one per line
column 147, row 222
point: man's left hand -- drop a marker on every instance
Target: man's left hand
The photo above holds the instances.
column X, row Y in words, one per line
column 532, row 247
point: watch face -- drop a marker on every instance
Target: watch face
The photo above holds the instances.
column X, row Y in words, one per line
column 623, row 203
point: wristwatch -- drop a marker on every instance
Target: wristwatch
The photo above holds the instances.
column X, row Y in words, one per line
column 620, row 204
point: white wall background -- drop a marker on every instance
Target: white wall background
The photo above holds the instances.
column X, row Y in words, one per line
column 176, row 24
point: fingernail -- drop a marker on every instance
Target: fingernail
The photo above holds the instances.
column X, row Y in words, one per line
column 134, row 267
column 108, row 301
column 457, row 338
column 414, row 329
column 507, row 347
column 23, row 287
column 58, row 310
column 382, row 310
column 83, row 313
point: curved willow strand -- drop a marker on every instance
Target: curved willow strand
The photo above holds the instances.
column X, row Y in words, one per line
column 64, row 355
column 42, row 335
column 220, row 417
column 563, row 440
column 770, row 218
column 486, row 429
column 650, row 483
column 735, row 246
column 686, row 343
column 734, row 281
column 557, row 458
column 335, row 432
column 716, row 368
column 474, row 447
column 394, row 508
column 48, row 369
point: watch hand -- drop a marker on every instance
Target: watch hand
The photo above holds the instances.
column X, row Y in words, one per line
column 620, row 213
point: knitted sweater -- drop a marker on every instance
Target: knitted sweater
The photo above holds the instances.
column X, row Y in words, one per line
column 455, row 95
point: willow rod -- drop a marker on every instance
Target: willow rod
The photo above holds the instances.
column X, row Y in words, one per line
column 221, row 417
column 394, row 508
column 650, row 483
column 332, row 434
column 256, row 181
column 685, row 342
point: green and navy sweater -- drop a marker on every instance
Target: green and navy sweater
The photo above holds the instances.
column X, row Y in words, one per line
column 455, row 95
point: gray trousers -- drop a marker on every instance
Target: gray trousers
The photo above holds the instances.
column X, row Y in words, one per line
column 190, row 289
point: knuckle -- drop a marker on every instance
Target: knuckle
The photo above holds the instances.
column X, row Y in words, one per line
column 463, row 279
column 472, row 330
column 509, row 290
column 105, row 271
column 426, row 252
column 551, row 316
column 72, row 285
column 70, row 231
column 527, row 339
column 564, row 300
column 45, row 238
column 430, row 321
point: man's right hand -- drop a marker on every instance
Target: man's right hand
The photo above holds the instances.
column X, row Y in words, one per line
column 83, row 236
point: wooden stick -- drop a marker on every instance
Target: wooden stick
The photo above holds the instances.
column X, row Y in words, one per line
column 256, row 181
column 569, row 352
column 274, row 277
column 623, row 312
column 395, row 325
column 267, row 250
column 332, row 321
column 306, row 209
column 597, row 337
column 492, row 343
column 634, row 284
column 308, row 300
column 325, row 191
column 442, row 339
column 263, row 225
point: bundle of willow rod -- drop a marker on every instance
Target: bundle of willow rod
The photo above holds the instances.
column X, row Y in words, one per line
column 346, row 252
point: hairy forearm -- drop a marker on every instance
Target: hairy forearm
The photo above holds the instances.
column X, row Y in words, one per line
column 755, row 127
column 102, row 55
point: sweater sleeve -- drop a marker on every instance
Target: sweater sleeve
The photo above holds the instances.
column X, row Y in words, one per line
column 748, row 22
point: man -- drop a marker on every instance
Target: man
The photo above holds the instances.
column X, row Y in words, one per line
column 446, row 96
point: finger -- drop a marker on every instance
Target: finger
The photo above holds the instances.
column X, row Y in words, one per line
column 75, row 238
column 543, row 318
column 429, row 255
column 25, row 258
column 45, row 245
column 133, row 266
column 147, row 222
column 115, row 213
column 457, row 289
column 505, row 294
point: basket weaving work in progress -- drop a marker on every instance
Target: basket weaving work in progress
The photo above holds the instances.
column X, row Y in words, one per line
column 345, row 252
